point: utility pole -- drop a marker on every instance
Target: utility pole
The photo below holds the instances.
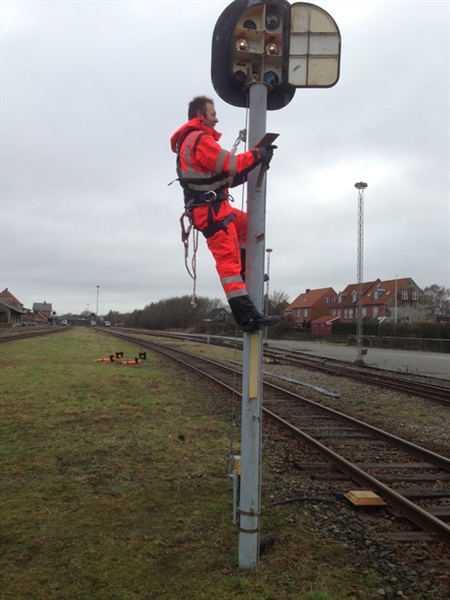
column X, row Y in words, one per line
column 360, row 187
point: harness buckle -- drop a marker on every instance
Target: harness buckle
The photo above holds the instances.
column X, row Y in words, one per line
column 213, row 197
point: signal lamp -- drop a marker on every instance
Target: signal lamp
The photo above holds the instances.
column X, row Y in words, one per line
column 271, row 48
column 249, row 25
column 240, row 77
column 271, row 78
column 272, row 21
column 242, row 44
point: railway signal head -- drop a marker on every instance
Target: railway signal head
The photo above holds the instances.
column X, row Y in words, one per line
column 251, row 45
column 272, row 42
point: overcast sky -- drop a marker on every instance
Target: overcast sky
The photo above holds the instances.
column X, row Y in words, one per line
column 92, row 92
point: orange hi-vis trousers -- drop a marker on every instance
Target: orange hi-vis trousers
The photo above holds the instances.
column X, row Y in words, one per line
column 225, row 245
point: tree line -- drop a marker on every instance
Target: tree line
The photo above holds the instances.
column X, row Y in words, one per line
column 181, row 313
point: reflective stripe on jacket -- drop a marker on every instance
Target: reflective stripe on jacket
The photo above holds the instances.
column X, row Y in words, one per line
column 203, row 164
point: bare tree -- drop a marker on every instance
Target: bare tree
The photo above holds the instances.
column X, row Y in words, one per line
column 278, row 300
column 439, row 296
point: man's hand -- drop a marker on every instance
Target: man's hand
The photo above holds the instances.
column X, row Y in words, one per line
column 266, row 153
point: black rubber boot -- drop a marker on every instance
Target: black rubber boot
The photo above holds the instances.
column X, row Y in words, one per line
column 248, row 316
column 260, row 321
column 243, row 309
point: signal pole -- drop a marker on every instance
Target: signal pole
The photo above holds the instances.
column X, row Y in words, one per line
column 262, row 50
column 250, row 496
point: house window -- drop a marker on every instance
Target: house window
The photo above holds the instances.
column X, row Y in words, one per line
column 333, row 312
column 364, row 312
column 415, row 295
column 298, row 313
column 345, row 313
column 404, row 295
column 350, row 313
column 375, row 311
column 327, row 300
column 306, row 312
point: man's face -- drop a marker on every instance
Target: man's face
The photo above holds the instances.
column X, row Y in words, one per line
column 209, row 117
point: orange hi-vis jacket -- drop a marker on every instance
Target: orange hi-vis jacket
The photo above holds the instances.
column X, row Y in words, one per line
column 203, row 165
column 204, row 169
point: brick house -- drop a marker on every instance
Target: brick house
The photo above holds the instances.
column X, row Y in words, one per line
column 44, row 308
column 11, row 309
column 394, row 299
column 347, row 301
column 311, row 305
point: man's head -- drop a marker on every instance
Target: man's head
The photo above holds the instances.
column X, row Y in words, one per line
column 202, row 106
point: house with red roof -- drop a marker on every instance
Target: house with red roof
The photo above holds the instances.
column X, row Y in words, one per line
column 11, row 309
column 311, row 305
column 391, row 300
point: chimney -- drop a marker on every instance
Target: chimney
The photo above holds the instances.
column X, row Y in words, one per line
column 307, row 291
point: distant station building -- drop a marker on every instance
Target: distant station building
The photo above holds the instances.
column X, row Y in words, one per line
column 11, row 309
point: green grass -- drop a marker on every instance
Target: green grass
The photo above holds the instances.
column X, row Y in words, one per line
column 101, row 500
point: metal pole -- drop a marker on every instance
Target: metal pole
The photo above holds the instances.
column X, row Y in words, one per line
column 268, row 251
column 98, row 289
column 360, row 187
column 250, row 490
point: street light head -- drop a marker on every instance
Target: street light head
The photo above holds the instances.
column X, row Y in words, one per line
column 268, row 249
column 361, row 185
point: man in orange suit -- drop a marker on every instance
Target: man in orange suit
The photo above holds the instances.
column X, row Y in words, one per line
column 204, row 170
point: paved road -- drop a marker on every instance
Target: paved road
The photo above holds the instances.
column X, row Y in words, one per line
column 431, row 364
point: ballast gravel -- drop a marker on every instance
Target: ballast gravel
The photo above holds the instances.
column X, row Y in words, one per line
column 411, row 571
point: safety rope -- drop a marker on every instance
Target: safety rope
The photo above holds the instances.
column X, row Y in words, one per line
column 185, row 232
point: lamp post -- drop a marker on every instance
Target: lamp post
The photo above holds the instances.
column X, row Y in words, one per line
column 98, row 291
column 269, row 251
column 361, row 186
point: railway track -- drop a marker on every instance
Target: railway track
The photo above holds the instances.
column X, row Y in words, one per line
column 412, row 386
column 408, row 477
column 12, row 336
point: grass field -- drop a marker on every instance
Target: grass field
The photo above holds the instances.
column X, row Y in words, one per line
column 113, row 486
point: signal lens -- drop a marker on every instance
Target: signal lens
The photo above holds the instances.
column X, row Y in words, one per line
column 271, row 48
column 242, row 44
column 272, row 21
column 271, row 78
column 240, row 77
